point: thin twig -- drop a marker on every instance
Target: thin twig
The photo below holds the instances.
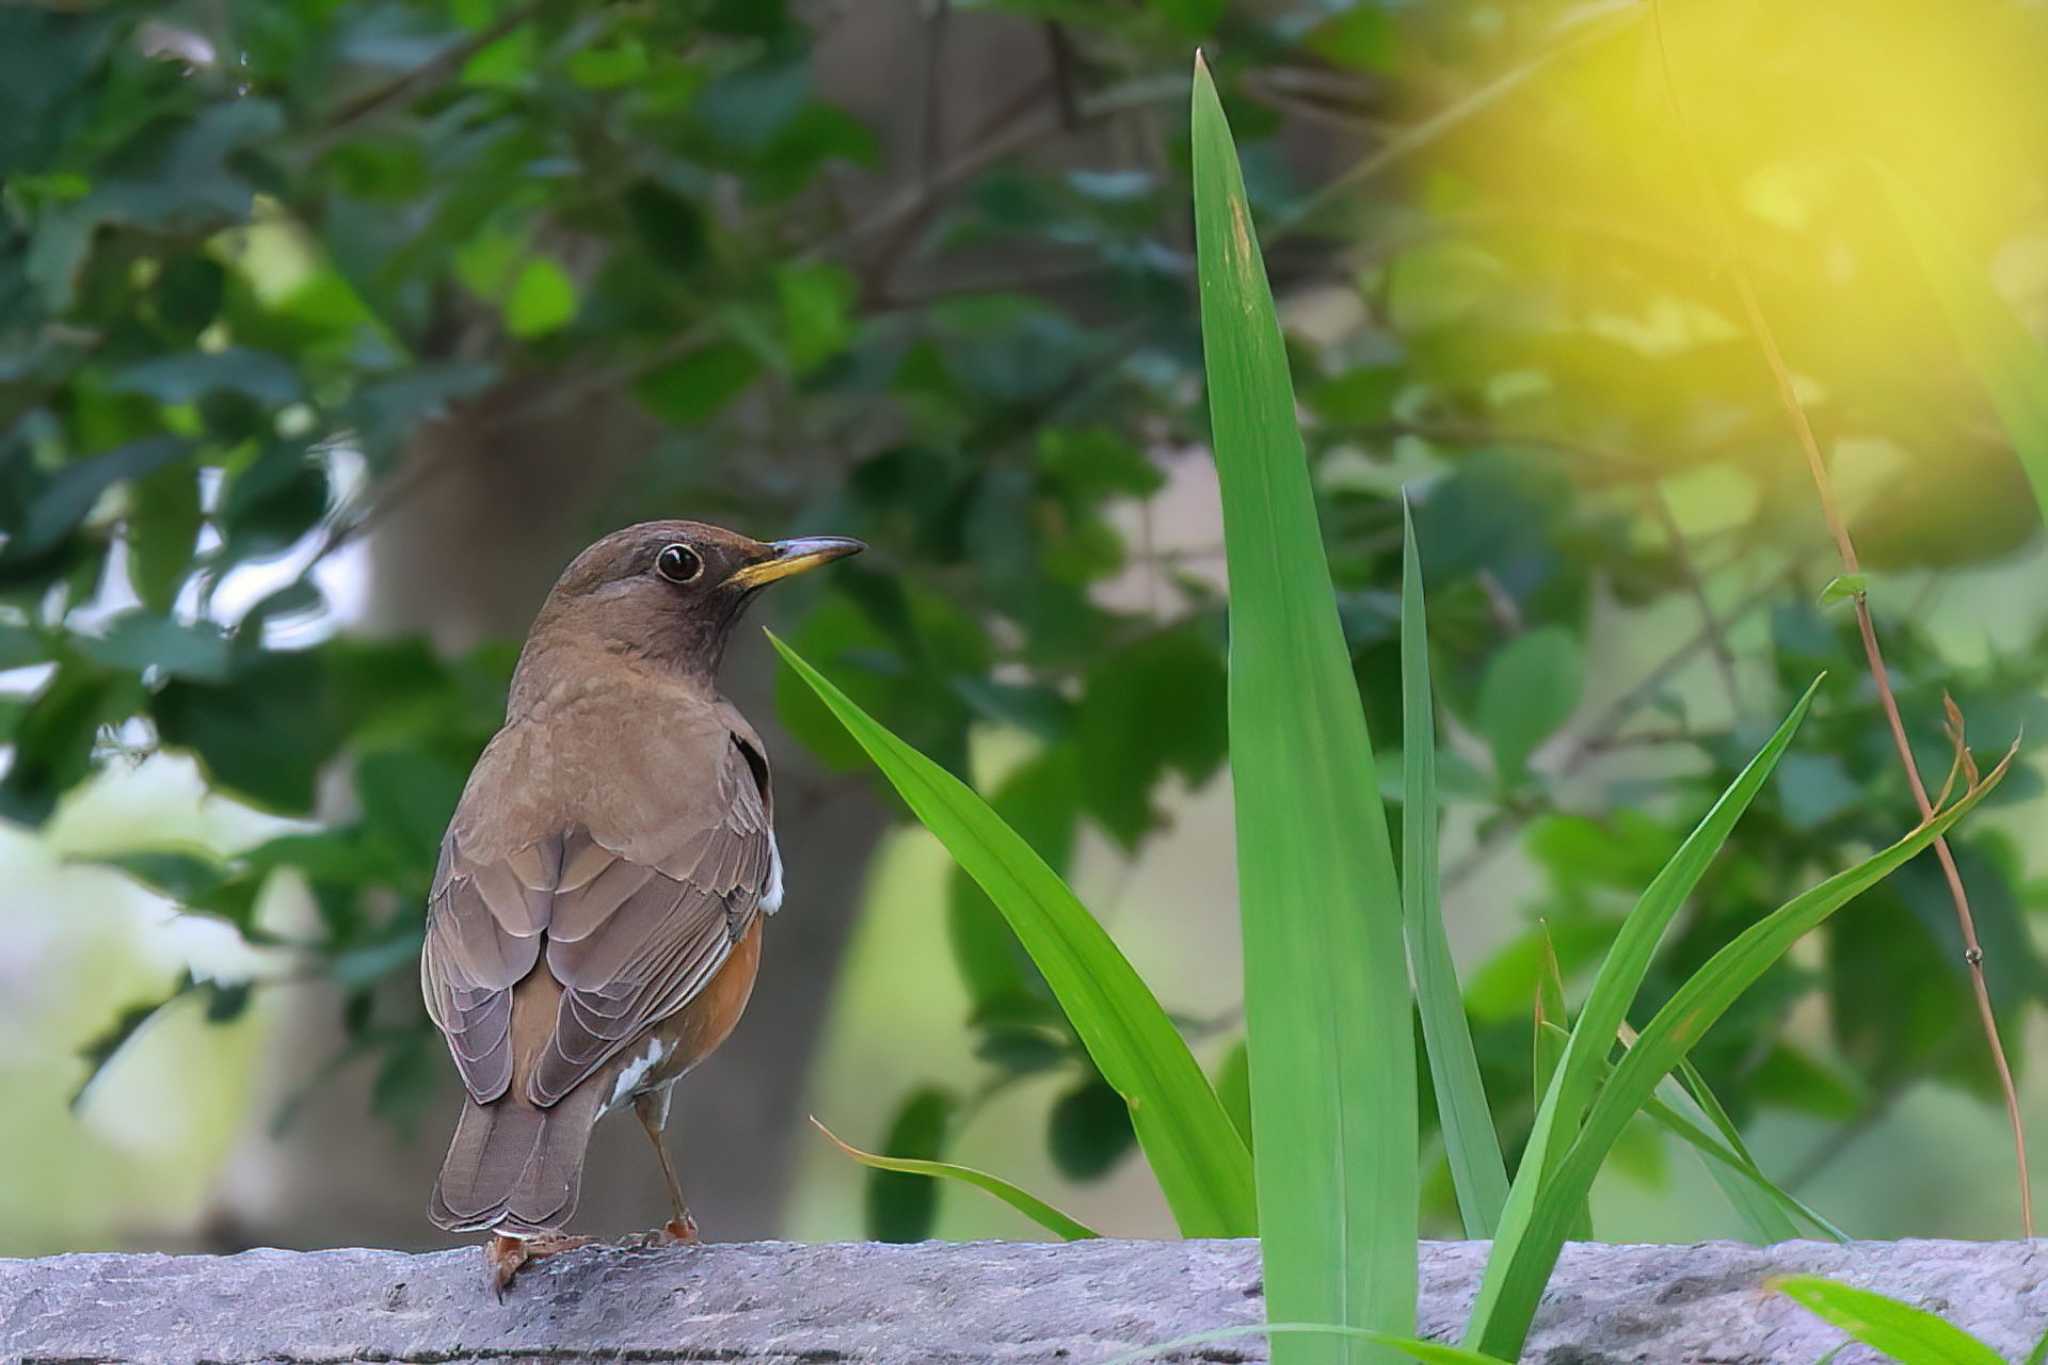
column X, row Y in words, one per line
column 1795, row 411
column 436, row 70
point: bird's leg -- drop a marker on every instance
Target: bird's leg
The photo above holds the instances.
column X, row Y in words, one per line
column 651, row 1107
column 503, row 1256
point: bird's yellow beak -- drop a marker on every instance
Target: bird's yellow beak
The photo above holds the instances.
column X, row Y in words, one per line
column 794, row 557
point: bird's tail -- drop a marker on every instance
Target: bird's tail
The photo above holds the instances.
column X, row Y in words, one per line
column 514, row 1167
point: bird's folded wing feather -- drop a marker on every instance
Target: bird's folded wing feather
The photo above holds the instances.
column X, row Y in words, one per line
column 633, row 924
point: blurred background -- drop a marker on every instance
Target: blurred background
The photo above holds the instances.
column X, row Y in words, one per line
column 329, row 332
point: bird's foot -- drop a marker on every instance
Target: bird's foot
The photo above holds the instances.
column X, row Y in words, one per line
column 503, row 1256
column 676, row 1232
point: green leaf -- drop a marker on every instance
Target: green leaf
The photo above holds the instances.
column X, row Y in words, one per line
column 224, row 1003
column 1844, row 587
column 700, row 384
column 542, row 299
column 64, row 498
column 1901, row 1331
column 1092, row 463
column 189, row 376
column 1039, row 801
column 53, row 739
column 1195, row 18
column 135, row 640
column 264, row 734
column 1088, row 1130
column 1527, row 1250
column 1030, row 1205
column 2008, row 360
column 198, row 881
column 1360, row 37
column 21, row 646
column 1154, row 706
column 1200, row 1162
column 1530, row 689
column 608, row 68
column 408, row 797
column 900, row 1207
column 671, row 225
column 1471, row 1143
column 506, row 64
column 1326, row 978
column 817, row 312
column 163, row 529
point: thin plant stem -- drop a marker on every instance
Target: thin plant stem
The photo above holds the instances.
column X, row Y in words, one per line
column 1795, row 411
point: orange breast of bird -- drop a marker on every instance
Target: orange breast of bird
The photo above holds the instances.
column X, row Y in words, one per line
column 694, row 1032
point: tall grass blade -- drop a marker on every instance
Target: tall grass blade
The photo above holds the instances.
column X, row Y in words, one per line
column 1471, row 1143
column 1901, row 1331
column 2012, row 365
column 1614, row 987
column 1553, row 1035
column 1427, row 1352
column 1520, row 1266
column 1766, row 1207
column 1326, row 981
column 1770, row 1209
column 1198, row 1158
column 1755, row 1199
column 1025, row 1202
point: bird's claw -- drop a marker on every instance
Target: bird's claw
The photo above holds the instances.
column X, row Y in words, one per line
column 503, row 1256
column 675, row 1232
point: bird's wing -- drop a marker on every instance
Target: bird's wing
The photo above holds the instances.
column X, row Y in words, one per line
column 636, row 923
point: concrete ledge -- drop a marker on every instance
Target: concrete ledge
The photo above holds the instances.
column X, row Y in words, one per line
column 776, row 1303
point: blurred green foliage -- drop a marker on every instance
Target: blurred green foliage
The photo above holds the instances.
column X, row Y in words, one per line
column 249, row 252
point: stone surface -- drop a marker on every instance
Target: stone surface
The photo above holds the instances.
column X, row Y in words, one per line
column 1084, row 1304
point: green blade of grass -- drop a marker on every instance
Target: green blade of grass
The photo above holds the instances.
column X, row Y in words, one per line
column 1553, row 1035
column 1200, row 1161
column 1327, row 1012
column 1471, row 1143
column 1518, row 1269
column 1688, row 1108
column 1614, row 987
column 2012, row 365
column 1900, row 1330
column 1746, row 1188
column 1026, row 1203
column 1689, row 1094
column 1765, row 1206
column 1427, row 1352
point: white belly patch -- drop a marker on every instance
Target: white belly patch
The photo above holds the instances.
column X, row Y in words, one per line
column 771, row 899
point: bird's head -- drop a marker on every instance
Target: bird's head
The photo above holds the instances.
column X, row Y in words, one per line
column 672, row 590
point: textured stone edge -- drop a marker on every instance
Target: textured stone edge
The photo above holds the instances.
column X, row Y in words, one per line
column 947, row 1304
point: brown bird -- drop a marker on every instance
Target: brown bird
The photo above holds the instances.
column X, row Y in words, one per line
column 595, row 922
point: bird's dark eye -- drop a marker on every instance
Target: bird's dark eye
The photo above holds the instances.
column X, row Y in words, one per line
column 679, row 563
